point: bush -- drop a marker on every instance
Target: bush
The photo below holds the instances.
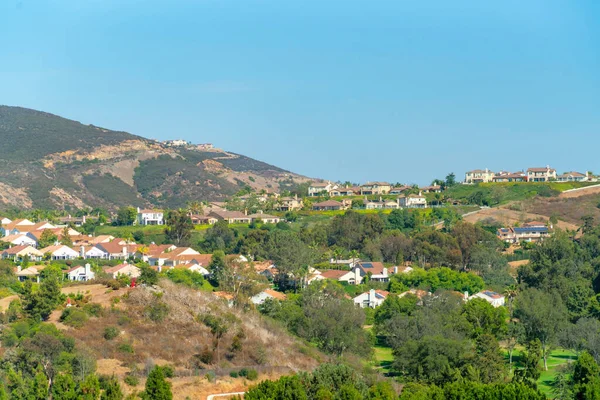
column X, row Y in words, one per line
column 168, row 371
column 123, row 320
column 249, row 373
column 93, row 309
column 132, row 380
column 234, row 374
column 211, row 377
column 111, row 332
column 126, row 348
column 74, row 317
column 157, row 311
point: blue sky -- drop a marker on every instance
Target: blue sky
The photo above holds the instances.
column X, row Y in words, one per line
column 352, row 90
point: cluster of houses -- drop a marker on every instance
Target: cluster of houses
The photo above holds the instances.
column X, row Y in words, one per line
column 543, row 174
column 318, row 189
column 530, row 232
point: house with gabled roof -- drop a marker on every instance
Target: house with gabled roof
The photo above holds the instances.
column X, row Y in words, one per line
column 479, row 176
column 29, row 273
column 18, row 253
column 375, row 188
column 267, row 294
column 400, row 189
column 412, row 201
column 350, row 277
column 5, row 221
column 264, row 218
column 289, row 203
column 91, row 252
column 320, row 188
column 124, row 269
column 541, row 174
column 380, row 204
column 376, row 270
column 60, row 252
column 345, row 191
column 495, row 299
column 371, row 299
column 80, row 273
column 19, row 239
column 232, row 217
column 118, row 249
column 332, row 205
column 150, row 217
column 572, row 176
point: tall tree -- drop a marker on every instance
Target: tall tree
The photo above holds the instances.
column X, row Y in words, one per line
column 157, row 387
column 179, row 227
column 543, row 316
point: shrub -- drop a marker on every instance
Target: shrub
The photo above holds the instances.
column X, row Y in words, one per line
column 74, row 317
column 93, row 309
column 157, row 311
column 126, row 348
column 234, row 374
column 123, row 320
column 251, row 374
column 211, row 377
column 168, row 371
column 205, row 356
column 132, row 380
column 111, row 332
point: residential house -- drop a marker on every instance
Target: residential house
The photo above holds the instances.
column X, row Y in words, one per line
column 264, row 218
column 400, row 189
column 203, row 220
column 412, row 201
column 289, row 203
column 75, row 221
column 91, row 252
column 350, row 277
column 60, row 252
column 19, row 239
column 25, row 226
column 371, row 299
column 232, row 217
column 150, row 217
column 266, row 269
column 525, row 233
column 541, row 174
column 29, row 273
column 495, row 299
column 345, row 191
column 332, row 205
column 510, row 177
column 375, row 270
column 375, row 188
column 18, row 253
column 572, row 176
column 118, row 249
column 267, row 294
column 380, row 204
column 124, row 269
column 5, row 221
column 81, row 273
column 479, row 176
column 431, row 189
column 195, row 267
column 320, row 188
column 420, row 294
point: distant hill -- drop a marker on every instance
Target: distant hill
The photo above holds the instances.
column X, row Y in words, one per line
column 47, row 161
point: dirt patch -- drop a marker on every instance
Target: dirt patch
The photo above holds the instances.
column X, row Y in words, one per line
column 570, row 209
column 14, row 197
column 66, row 198
column 510, row 217
column 580, row 192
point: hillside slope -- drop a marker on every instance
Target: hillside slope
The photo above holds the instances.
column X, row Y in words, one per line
column 47, row 161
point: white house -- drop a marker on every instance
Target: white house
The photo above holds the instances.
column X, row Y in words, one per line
column 5, row 221
column 413, row 201
column 267, row 294
column 60, row 252
column 371, row 299
column 351, row 277
column 92, row 252
column 125, row 269
column 150, row 217
column 80, row 273
column 319, row 188
column 17, row 253
column 32, row 272
column 20, row 239
column 495, row 299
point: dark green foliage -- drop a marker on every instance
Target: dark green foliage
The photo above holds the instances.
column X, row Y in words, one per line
column 111, row 389
column 148, row 276
column 126, row 216
column 185, row 277
column 110, row 189
column 63, row 387
column 157, row 311
column 111, row 332
column 437, row 278
column 74, row 317
column 38, row 305
column 179, row 227
column 157, row 387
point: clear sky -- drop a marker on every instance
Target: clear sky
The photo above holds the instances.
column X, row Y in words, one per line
column 351, row 90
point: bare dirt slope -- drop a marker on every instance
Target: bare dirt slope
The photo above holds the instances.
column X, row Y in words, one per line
column 510, row 217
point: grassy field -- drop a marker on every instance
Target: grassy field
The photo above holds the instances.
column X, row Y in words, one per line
column 557, row 358
column 383, row 358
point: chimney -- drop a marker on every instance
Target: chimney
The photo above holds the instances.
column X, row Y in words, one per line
column 88, row 269
column 245, row 211
column 18, row 268
column 395, row 269
column 371, row 295
column 81, row 251
column 357, row 277
column 385, row 271
column 125, row 251
column 466, row 296
column 83, row 219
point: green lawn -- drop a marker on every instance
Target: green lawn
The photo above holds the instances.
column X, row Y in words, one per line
column 557, row 358
column 383, row 358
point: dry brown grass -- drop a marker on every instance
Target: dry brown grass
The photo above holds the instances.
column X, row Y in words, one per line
column 569, row 209
column 179, row 337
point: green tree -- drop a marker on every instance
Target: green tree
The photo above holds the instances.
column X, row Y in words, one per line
column 148, row 276
column 450, row 179
column 179, row 227
column 64, row 388
column 111, row 389
column 89, row 389
column 126, row 216
column 543, row 316
column 65, row 237
column 47, row 238
column 38, row 305
column 157, row 387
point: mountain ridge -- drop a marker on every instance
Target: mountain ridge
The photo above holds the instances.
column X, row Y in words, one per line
column 55, row 162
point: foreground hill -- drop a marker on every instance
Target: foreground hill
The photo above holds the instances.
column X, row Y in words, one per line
column 53, row 162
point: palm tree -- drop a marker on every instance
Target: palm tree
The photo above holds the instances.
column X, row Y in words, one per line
column 510, row 293
column 194, row 208
column 337, row 254
column 354, row 255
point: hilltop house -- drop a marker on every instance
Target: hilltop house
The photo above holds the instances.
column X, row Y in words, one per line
column 375, row 270
column 232, row 217
column 541, row 174
column 150, row 217
column 572, row 176
column 264, row 218
column 479, row 176
column 431, row 189
column 320, row 188
column 371, row 299
column 531, row 232
column 510, row 177
column 332, row 205
column 345, row 191
column 289, row 203
column 380, row 204
column 412, row 201
column 91, row 252
column 377, row 188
